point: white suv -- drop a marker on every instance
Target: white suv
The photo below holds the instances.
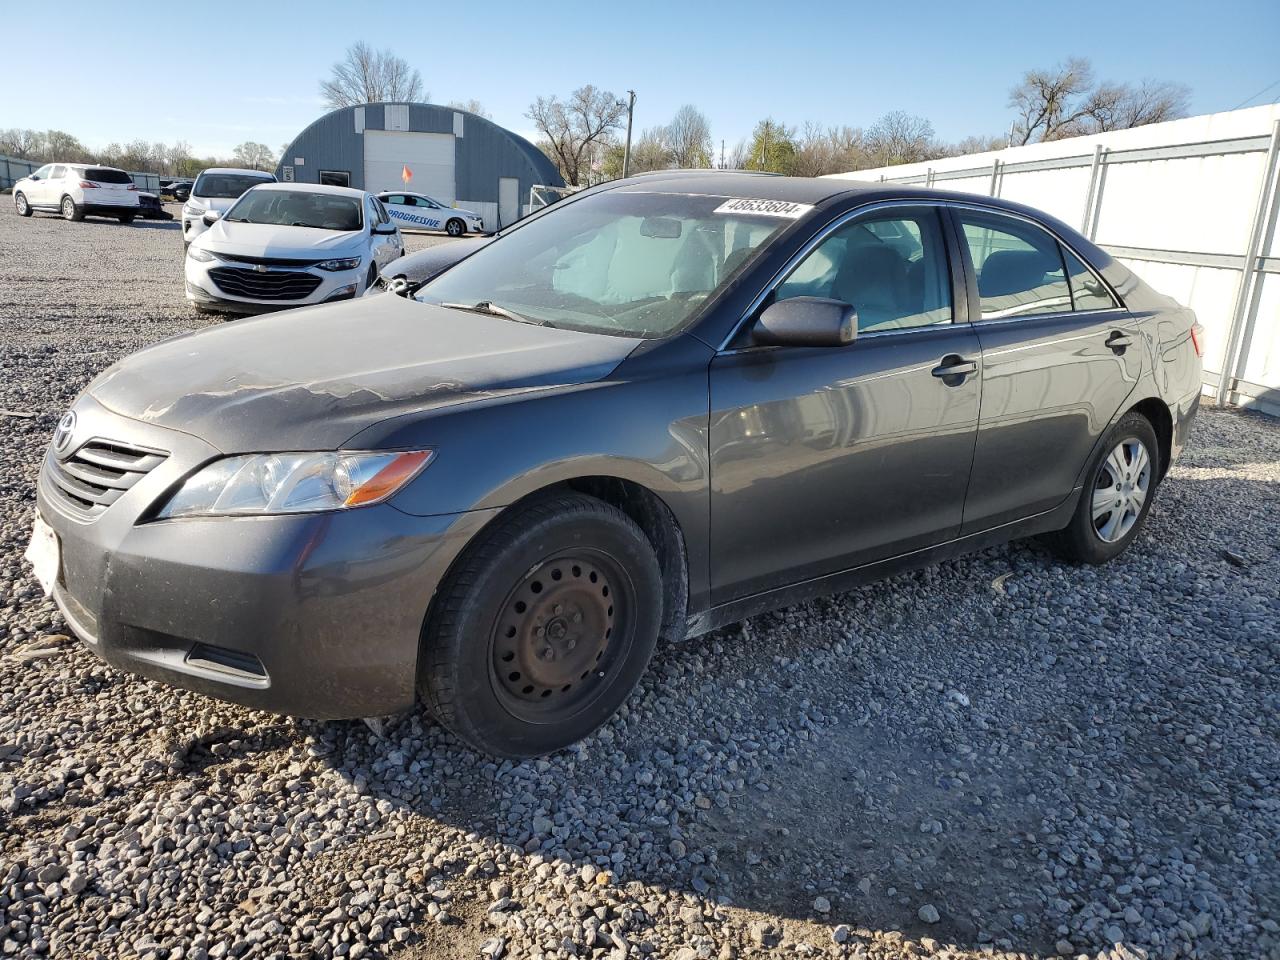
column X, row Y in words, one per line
column 212, row 195
column 78, row 190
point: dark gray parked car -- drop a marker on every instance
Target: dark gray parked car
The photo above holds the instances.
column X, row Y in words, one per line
column 661, row 406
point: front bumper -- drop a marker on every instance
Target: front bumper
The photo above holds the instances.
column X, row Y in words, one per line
column 313, row 615
column 204, row 289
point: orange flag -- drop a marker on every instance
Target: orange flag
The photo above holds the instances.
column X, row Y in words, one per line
column 406, row 174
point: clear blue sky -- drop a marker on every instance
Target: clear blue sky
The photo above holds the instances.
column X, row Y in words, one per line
column 233, row 71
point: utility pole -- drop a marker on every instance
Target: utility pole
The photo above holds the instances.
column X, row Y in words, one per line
column 721, row 154
column 626, row 154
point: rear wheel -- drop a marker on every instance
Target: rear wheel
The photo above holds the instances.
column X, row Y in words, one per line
column 455, row 227
column 71, row 210
column 127, row 217
column 544, row 627
column 20, row 204
column 1117, row 495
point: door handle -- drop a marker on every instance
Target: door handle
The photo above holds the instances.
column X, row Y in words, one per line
column 1118, row 341
column 955, row 366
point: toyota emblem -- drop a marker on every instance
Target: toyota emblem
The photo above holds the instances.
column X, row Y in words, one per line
column 62, row 433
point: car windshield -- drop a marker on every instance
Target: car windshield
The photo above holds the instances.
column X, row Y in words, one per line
column 627, row 264
column 225, row 186
column 298, row 208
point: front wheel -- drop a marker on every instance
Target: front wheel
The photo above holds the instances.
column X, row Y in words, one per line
column 127, row 217
column 20, row 204
column 455, row 227
column 543, row 628
column 1117, row 495
column 71, row 210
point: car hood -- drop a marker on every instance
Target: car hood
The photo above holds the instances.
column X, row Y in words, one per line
column 311, row 378
column 221, row 204
column 271, row 240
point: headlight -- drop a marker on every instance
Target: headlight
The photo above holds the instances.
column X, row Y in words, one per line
column 294, row 483
column 200, row 255
column 192, row 212
column 350, row 263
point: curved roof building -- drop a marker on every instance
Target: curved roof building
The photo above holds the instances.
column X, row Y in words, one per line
column 456, row 157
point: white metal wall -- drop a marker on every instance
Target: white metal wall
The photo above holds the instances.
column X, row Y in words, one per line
column 1190, row 205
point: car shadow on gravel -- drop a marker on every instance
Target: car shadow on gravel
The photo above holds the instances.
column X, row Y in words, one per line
column 981, row 752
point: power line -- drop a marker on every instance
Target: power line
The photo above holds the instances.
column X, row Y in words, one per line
column 1256, row 95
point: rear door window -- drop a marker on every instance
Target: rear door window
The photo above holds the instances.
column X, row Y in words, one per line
column 58, row 172
column 1018, row 265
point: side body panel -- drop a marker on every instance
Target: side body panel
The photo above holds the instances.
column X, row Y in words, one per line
column 826, row 458
column 1051, row 388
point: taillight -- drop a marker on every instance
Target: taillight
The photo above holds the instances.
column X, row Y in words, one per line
column 86, row 184
column 1197, row 339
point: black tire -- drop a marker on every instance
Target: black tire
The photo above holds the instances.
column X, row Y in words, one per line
column 543, row 628
column 1084, row 539
column 71, row 210
column 372, row 278
column 20, row 204
column 127, row 217
column 455, row 227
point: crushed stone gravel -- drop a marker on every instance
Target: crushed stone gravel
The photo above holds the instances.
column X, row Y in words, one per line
column 999, row 756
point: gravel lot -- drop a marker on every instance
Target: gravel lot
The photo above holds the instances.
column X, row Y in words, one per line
column 1002, row 755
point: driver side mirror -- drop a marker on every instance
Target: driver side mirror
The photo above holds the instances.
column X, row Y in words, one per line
column 211, row 217
column 386, row 229
column 806, row 322
column 34, row 176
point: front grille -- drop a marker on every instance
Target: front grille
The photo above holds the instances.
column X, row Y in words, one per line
column 99, row 473
column 268, row 261
column 272, row 285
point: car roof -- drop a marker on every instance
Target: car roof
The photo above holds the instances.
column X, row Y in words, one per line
column 312, row 188
column 812, row 190
column 738, row 183
column 252, row 173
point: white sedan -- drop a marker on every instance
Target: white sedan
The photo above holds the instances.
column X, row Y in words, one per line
column 417, row 211
column 291, row 244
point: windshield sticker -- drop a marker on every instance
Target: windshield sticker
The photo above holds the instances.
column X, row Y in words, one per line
column 765, row 208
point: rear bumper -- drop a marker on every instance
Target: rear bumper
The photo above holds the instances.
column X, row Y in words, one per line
column 309, row 615
column 110, row 209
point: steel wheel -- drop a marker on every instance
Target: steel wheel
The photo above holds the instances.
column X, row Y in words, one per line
column 561, row 631
column 1121, row 490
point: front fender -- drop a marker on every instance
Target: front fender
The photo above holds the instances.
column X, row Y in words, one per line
column 646, row 423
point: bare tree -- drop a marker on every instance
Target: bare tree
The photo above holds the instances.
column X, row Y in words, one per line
column 19, row 143
column 471, row 106
column 832, row 150
column 255, row 156
column 576, row 131
column 899, row 137
column 366, row 75
column 1118, row 106
column 689, row 139
column 1065, row 102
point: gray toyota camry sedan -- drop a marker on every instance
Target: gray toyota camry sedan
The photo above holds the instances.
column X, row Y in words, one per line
column 663, row 405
